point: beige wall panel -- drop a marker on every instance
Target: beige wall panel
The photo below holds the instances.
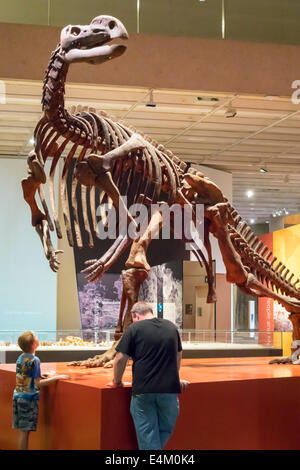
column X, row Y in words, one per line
column 160, row 62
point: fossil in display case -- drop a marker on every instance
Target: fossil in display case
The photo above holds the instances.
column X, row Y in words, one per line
column 69, row 341
column 110, row 153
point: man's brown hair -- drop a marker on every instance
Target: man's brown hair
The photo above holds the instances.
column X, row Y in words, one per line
column 25, row 341
column 142, row 308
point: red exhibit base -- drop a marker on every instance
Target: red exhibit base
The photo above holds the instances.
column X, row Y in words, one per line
column 236, row 403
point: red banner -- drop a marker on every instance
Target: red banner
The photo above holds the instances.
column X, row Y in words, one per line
column 265, row 306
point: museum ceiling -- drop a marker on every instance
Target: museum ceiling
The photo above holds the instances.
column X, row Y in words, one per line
column 256, row 138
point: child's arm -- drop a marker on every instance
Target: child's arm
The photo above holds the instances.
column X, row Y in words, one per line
column 44, row 382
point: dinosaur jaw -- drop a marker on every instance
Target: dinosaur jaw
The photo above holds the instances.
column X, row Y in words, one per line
column 96, row 55
column 90, row 43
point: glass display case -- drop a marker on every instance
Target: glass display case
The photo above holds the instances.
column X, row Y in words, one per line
column 95, row 339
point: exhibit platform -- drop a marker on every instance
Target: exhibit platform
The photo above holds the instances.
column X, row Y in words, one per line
column 9, row 354
column 236, row 403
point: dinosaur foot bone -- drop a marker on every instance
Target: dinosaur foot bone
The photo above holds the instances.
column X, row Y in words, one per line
column 102, row 360
column 282, row 360
column 97, row 267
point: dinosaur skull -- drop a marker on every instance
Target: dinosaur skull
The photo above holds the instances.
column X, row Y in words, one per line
column 88, row 43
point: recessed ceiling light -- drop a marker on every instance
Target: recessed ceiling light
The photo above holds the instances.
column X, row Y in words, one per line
column 252, row 221
column 271, row 97
column 207, row 98
column 250, row 193
column 31, row 141
column 263, row 170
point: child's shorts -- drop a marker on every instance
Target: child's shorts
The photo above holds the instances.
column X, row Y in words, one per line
column 25, row 414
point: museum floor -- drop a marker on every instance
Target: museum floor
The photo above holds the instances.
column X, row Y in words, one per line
column 231, row 403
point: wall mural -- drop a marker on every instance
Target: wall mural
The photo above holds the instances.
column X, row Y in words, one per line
column 99, row 302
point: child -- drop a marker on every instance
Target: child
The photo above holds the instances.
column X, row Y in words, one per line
column 28, row 382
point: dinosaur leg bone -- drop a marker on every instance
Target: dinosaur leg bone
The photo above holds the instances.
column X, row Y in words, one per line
column 51, row 254
column 211, row 295
column 132, row 280
column 218, row 216
column 36, row 176
column 294, row 357
column 137, row 255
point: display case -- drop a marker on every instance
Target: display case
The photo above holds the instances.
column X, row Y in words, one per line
column 70, row 345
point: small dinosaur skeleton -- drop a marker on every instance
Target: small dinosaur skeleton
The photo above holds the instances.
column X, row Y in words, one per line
column 114, row 160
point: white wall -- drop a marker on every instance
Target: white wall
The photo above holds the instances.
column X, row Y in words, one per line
column 27, row 285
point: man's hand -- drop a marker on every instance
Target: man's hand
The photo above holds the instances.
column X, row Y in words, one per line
column 184, row 384
column 114, row 384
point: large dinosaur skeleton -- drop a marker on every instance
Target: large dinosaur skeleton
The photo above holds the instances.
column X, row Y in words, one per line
column 114, row 160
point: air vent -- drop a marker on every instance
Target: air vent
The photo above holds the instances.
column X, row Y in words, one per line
column 270, row 190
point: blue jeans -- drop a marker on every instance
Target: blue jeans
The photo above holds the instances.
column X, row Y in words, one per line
column 154, row 416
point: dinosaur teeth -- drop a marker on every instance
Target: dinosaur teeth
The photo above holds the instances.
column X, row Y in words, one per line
column 273, row 261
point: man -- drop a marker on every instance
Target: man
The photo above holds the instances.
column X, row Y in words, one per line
column 155, row 347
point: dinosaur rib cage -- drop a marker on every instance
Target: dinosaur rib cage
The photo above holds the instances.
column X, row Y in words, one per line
column 142, row 176
column 259, row 260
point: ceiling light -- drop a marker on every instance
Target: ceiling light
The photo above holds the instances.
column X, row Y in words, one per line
column 151, row 103
column 250, row 193
column 252, row 221
column 263, row 170
column 271, row 97
column 207, row 98
column 31, row 141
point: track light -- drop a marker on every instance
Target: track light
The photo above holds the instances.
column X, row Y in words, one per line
column 151, row 103
column 230, row 112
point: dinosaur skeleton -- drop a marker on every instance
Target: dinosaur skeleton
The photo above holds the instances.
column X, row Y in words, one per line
column 113, row 159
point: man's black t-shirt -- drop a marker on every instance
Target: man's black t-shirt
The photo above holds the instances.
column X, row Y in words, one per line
column 153, row 345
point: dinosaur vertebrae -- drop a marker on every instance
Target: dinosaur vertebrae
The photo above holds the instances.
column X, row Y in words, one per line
column 259, row 260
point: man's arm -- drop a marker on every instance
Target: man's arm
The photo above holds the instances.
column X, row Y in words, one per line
column 179, row 357
column 183, row 383
column 120, row 362
column 39, row 382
